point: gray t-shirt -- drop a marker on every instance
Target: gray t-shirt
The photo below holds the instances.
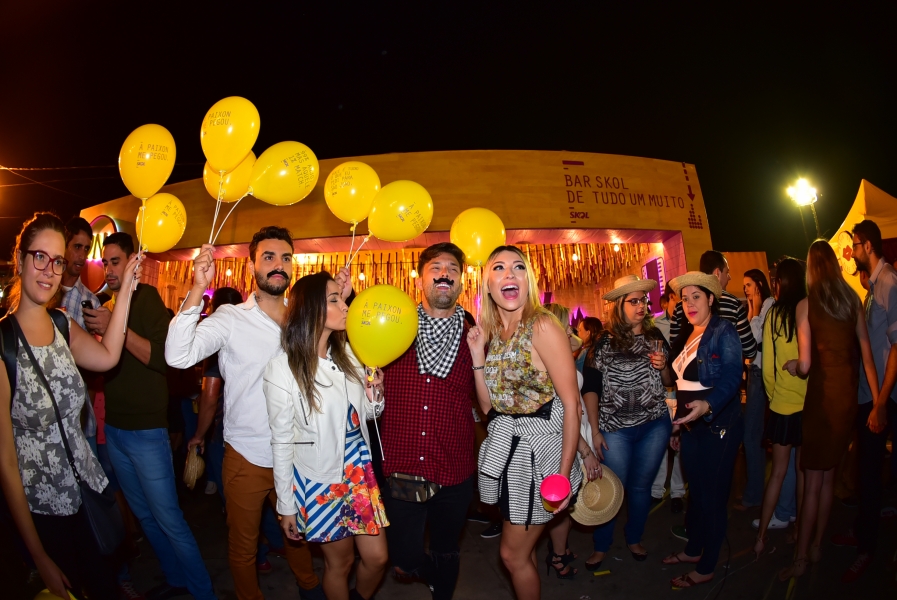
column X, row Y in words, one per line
column 881, row 321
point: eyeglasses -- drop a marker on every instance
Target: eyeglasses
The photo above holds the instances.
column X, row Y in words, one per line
column 636, row 301
column 42, row 260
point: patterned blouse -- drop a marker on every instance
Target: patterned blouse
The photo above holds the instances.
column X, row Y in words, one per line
column 632, row 392
column 47, row 477
column 515, row 385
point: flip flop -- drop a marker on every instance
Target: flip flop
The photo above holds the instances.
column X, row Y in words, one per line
column 688, row 581
column 673, row 559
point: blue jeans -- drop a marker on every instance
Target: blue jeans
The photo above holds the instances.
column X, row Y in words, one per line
column 214, row 461
column 754, row 424
column 142, row 463
column 634, row 454
column 787, row 505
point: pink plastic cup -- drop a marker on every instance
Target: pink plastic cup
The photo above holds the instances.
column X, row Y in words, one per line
column 554, row 490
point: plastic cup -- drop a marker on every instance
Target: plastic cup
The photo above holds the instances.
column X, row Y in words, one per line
column 554, row 490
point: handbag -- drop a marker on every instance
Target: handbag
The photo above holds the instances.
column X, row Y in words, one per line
column 411, row 488
column 103, row 514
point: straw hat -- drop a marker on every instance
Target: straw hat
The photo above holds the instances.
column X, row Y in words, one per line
column 599, row 500
column 628, row 284
column 704, row 280
column 194, row 468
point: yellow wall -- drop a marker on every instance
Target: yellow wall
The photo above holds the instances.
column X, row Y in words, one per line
column 527, row 189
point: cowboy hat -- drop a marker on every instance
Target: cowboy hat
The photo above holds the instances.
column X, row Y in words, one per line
column 599, row 500
column 628, row 284
column 709, row 282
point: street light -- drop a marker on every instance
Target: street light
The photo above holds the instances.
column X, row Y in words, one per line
column 805, row 195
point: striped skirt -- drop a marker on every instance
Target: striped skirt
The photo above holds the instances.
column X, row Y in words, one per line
column 331, row 512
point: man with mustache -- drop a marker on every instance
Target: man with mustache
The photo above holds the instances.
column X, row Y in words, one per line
column 428, row 430
column 246, row 337
column 137, row 428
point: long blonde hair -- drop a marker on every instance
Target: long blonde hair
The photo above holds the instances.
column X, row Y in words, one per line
column 621, row 332
column 827, row 285
column 490, row 319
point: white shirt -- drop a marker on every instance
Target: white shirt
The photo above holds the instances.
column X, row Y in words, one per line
column 757, row 327
column 246, row 340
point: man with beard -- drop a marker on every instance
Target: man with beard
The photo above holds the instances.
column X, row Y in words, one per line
column 246, row 337
column 137, row 428
column 874, row 414
column 428, row 430
column 78, row 236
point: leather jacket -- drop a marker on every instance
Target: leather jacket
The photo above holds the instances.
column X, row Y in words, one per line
column 312, row 441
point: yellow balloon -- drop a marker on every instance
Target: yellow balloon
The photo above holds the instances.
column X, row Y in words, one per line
column 349, row 191
column 234, row 185
column 401, row 211
column 161, row 223
column 381, row 324
column 477, row 231
column 229, row 131
column 48, row 595
column 146, row 160
column 284, row 174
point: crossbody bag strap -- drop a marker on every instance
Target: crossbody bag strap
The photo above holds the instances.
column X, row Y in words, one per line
column 43, row 378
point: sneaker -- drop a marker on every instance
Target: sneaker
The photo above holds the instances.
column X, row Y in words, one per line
column 127, row 591
column 211, row 488
column 478, row 517
column 774, row 523
column 264, row 567
column 858, row 567
column 677, row 505
column 680, row 532
column 494, row 530
column 845, row 539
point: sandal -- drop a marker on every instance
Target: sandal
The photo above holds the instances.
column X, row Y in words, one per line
column 561, row 564
column 798, row 568
column 683, row 582
column 673, row 559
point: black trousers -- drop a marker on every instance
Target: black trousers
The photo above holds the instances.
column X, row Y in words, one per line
column 446, row 513
column 871, row 450
column 70, row 543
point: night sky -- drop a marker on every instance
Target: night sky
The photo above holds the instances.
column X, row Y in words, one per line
column 754, row 99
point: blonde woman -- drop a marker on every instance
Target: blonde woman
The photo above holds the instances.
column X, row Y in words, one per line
column 528, row 382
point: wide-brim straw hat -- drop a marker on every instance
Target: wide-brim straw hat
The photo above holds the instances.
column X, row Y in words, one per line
column 627, row 285
column 194, row 468
column 710, row 282
column 599, row 500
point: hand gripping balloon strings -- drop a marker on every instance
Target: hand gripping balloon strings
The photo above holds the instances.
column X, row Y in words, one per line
column 217, row 206
column 217, row 233
column 352, row 245
column 357, row 250
column 134, row 281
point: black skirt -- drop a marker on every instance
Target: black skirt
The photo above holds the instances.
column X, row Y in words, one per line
column 785, row 430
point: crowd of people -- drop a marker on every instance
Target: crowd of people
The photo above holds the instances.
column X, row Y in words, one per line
column 283, row 409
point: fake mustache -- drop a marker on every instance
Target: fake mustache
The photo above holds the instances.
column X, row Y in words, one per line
column 445, row 280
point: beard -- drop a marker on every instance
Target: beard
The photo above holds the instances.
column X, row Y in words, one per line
column 862, row 265
column 442, row 300
column 268, row 286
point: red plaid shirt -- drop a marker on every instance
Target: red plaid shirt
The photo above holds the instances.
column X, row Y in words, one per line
column 427, row 421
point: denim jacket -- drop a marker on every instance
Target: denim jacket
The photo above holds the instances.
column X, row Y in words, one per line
column 720, row 363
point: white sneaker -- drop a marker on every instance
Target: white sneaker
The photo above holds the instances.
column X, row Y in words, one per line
column 773, row 523
column 211, row 488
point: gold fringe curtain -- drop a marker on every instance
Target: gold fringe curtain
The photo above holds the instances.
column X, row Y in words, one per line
column 555, row 267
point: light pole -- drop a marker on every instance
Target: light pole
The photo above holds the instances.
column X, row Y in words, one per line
column 805, row 195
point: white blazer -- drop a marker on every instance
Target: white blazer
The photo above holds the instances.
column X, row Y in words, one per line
column 312, row 441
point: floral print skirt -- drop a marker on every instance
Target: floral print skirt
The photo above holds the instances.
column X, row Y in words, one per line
column 331, row 512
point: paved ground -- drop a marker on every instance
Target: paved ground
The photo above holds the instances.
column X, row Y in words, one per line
column 482, row 576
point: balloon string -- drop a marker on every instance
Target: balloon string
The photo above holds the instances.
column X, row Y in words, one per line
column 212, row 235
column 351, row 246
column 139, row 254
column 363, row 242
column 215, row 238
column 479, row 302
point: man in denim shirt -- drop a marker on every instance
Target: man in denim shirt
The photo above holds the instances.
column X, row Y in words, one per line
column 874, row 414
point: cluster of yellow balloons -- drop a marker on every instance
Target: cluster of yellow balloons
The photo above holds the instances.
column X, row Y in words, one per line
column 145, row 163
column 381, row 324
column 477, row 231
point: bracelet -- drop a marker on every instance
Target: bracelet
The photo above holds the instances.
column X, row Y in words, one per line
column 479, row 368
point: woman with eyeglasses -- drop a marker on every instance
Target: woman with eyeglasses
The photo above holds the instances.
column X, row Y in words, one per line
column 42, row 446
column 633, row 420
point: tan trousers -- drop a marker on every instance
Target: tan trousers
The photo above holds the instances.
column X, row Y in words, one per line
column 246, row 488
